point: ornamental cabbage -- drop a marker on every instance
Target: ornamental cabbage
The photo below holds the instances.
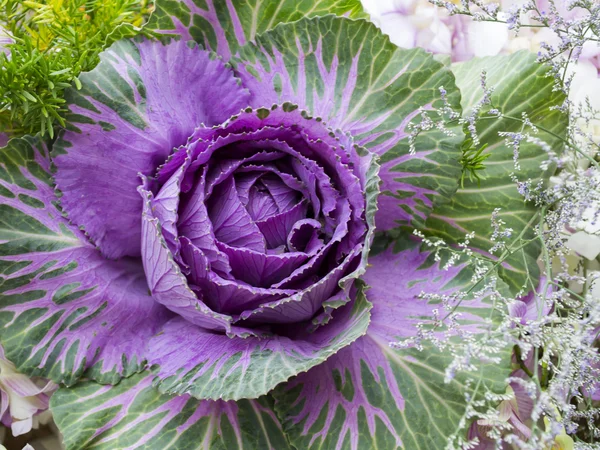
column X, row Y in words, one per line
column 194, row 245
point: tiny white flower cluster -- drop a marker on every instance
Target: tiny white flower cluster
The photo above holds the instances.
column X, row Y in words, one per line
column 501, row 233
column 552, row 328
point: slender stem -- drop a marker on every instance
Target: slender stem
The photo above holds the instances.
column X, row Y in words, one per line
column 507, row 252
column 574, row 147
column 519, row 357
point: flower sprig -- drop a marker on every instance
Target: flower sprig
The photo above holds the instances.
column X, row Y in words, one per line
column 554, row 329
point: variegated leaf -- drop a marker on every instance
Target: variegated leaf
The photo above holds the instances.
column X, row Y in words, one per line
column 135, row 416
column 521, row 86
column 63, row 307
column 225, row 25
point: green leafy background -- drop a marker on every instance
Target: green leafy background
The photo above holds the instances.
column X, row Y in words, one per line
column 521, row 86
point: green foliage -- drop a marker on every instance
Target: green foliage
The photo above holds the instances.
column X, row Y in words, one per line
column 472, row 161
column 53, row 41
column 521, row 86
column 135, row 415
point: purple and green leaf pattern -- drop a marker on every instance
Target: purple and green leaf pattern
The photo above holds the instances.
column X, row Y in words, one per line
column 235, row 339
column 63, row 307
column 191, row 360
column 522, row 86
column 371, row 395
column 225, row 25
column 135, row 416
column 347, row 73
column 143, row 100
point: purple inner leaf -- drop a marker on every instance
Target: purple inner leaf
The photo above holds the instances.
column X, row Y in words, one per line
column 284, row 196
column 231, row 221
column 269, row 219
column 304, row 236
column 260, row 269
column 195, row 225
column 276, row 228
column 261, row 204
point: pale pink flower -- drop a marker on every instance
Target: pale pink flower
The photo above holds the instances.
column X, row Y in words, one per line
column 22, row 399
column 5, row 39
column 514, row 415
column 418, row 23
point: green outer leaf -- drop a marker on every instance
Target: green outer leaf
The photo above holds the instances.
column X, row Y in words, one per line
column 432, row 408
column 133, row 415
column 123, row 31
column 62, row 305
column 250, row 367
column 225, row 25
column 373, row 396
column 349, row 74
column 521, row 86
column 24, row 173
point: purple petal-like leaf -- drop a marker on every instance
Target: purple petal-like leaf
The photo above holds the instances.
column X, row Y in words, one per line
column 313, row 64
column 260, row 269
column 304, row 236
column 64, row 307
column 370, row 394
column 165, row 206
column 223, row 295
column 284, row 196
column 261, row 205
column 141, row 101
column 196, row 226
column 231, row 222
column 304, row 305
column 276, row 228
column 166, row 282
column 223, row 169
column 303, row 275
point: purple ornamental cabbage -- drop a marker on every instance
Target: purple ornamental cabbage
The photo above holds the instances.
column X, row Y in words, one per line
column 265, row 216
column 194, row 244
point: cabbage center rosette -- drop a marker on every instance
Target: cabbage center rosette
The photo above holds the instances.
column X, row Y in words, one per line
column 264, row 215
